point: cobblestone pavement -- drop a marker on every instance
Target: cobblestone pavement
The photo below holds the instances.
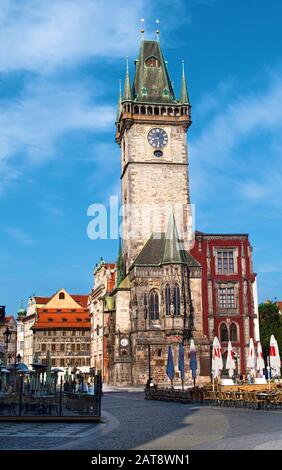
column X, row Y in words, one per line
column 130, row 422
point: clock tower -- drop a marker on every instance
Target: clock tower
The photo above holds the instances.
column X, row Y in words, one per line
column 151, row 129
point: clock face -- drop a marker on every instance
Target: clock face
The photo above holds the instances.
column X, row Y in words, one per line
column 124, row 342
column 157, row 138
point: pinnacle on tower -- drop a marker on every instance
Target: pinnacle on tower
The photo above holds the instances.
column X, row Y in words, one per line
column 119, row 102
column 127, row 96
column 151, row 81
column 184, row 98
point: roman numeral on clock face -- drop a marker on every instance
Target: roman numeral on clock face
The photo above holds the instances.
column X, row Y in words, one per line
column 157, row 138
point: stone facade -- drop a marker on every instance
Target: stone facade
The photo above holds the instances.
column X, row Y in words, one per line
column 26, row 320
column 59, row 324
column 173, row 285
column 153, row 187
column 8, row 351
column 104, row 281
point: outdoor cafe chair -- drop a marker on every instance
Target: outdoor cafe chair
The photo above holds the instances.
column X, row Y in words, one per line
column 223, row 399
column 208, row 397
column 8, row 405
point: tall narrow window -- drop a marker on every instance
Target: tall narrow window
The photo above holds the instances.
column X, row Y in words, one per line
column 167, row 299
column 227, row 297
column 154, row 305
column 225, row 262
column 223, row 333
column 233, row 332
column 230, row 297
column 176, row 300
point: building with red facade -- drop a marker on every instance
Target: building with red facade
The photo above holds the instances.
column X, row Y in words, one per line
column 230, row 308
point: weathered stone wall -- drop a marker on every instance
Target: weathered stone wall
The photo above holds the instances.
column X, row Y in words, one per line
column 153, row 182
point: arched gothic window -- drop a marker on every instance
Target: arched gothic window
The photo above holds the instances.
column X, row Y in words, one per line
column 167, row 299
column 233, row 332
column 223, row 332
column 154, row 305
column 152, row 62
column 176, row 300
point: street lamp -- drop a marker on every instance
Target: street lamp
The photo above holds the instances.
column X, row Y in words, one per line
column 7, row 339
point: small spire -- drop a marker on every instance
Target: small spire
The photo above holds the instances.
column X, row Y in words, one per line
column 119, row 102
column 127, row 96
column 184, row 98
column 157, row 30
column 142, row 30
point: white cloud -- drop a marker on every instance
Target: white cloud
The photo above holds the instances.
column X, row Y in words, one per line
column 239, row 149
column 31, row 126
column 240, row 120
column 40, row 35
column 19, row 236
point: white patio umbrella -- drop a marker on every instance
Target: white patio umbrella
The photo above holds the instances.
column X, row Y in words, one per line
column 260, row 360
column 230, row 362
column 274, row 357
column 217, row 363
column 251, row 360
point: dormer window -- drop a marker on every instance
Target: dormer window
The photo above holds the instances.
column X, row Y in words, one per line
column 144, row 91
column 152, row 62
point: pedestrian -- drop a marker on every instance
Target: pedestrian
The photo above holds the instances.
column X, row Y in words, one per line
column 150, row 383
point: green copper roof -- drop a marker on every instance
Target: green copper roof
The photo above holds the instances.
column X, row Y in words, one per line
column 151, row 82
column 119, row 103
column 109, row 303
column 165, row 248
column 173, row 251
column 125, row 283
column 120, row 266
column 127, row 95
column 184, row 98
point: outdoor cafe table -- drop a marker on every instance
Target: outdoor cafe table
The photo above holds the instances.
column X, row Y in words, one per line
column 267, row 396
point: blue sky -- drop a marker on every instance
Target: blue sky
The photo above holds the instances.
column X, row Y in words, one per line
column 60, row 62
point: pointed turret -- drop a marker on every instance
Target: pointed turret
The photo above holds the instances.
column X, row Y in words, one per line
column 127, row 95
column 120, row 266
column 119, row 103
column 151, row 82
column 184, row 97
column 173, row 249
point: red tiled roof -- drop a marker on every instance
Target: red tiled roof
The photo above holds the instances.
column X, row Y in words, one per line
column 66, row 318
column 279, row 303
column 80, row 299
column 42, row 300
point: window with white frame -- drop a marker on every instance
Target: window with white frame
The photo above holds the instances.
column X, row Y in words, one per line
column 225, row 262
column 227, row 297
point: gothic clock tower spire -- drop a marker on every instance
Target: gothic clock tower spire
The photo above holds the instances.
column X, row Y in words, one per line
column 151, row 130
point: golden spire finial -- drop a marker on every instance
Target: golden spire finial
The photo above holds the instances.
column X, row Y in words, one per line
column 142, row 26
column 158, row 31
